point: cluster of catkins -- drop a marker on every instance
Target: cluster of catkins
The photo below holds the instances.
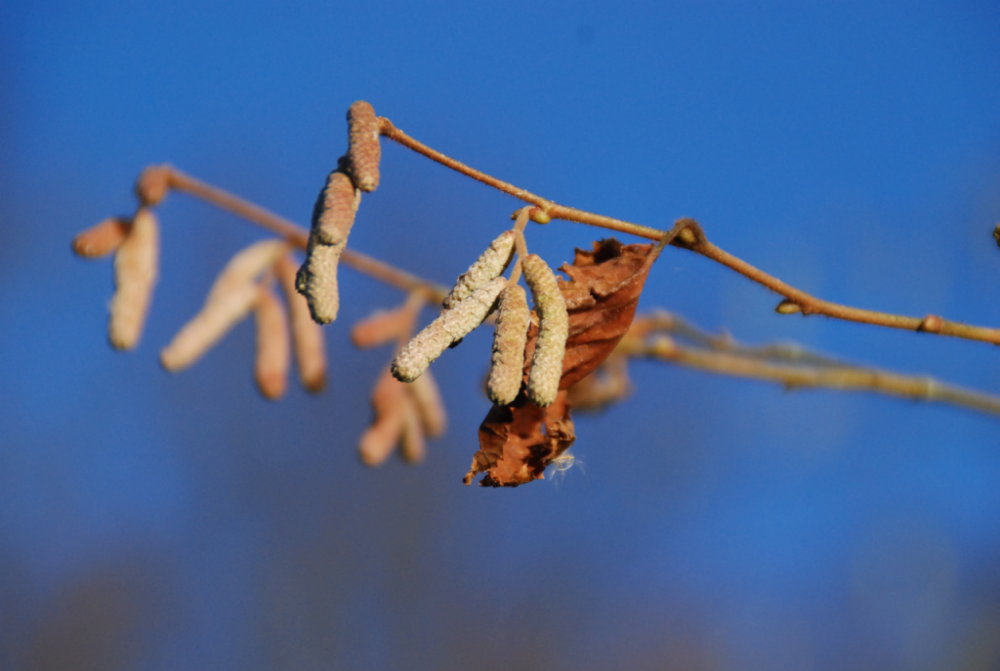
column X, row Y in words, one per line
column 333, row 215
column 245, row 285
column 477, row 293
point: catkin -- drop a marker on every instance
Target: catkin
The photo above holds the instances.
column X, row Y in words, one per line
column 229, row 300
column 451, row 326
column 363, row 153
column 507, row 369
column 273, row 351
column 489, row 265
column 430, row 408
column 333, row 218
column 307, row 335
column 208, row 326
column 333, row 215
column 317, row 281
column 413, row 443
column 380, row 327
column 102, row 238
column 553, row 328
column 135, row 276
column 378, row 442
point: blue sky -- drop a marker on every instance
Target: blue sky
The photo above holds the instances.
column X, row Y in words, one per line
column 162, row 521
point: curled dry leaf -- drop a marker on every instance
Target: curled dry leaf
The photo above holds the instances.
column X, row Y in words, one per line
column 517, row 441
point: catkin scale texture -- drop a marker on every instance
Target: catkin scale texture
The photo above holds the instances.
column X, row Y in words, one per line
column 450, row 326
column 364, row 152
column 488, row 266
column 333, row 218
column 553, row 329
column 333, row 215
column 135, row 276
column 507, row 369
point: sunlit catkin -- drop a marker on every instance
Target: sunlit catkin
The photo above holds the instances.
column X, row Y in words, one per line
column 506, row 371
column 380, row 327
column 273, row 354
column 229, row 300
column 307, row 335
column 363, row 153
column 102, row 238
column 451, row 326
column 333, row 215
column 553, row 328
column 135, row 276
column 489, row 265
column 317, row 281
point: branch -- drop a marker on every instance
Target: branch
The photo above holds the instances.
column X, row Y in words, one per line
column 694, row 240
column 790, row 366
column 296, row 235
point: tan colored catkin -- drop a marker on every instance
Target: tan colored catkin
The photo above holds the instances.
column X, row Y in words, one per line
column 430, row 407
column 451, row 326
column 412, row 443
column 273, row 355
column 333, row 218
column 364, row 152
column 135, row 276
column 553, row 329
column 307, row 335
column 229, row 300
column 207, row 327
column 333, row 215
column 507, row 369
column 381, row 438
column 102, row 238
column 380, row 327
column 489, row 265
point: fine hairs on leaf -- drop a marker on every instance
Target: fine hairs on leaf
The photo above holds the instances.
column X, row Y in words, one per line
column 572, row 350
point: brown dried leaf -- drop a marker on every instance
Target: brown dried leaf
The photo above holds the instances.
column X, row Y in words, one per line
column 517, row 441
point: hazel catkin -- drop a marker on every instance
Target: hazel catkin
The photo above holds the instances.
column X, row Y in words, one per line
column 135, row 275
column 102, row 238
column 507, row 369
column 364, row 152
column 450, row 326
column 553, row 328
column 307, row 335
column 273, row 353
column 489, row 265
column 333, row 217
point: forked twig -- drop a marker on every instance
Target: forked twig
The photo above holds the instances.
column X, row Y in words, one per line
column 695, row 241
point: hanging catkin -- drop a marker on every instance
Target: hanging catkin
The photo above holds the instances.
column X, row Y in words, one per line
column 307, row 335
column 553, row 328
column 102, row 238
column 507, row 367
column 231, row 297
column 363, row 153
column 451, row 326
column 489, row 265
column 333, row 217
column 135, row 276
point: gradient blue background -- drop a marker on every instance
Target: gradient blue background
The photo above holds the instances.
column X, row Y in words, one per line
column 151, row 521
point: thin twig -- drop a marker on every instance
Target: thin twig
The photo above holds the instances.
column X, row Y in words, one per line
column 298, row 236
column 792, row 376
column 697, row 242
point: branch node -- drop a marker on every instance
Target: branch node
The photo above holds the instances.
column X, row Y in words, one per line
column 788, row 307
column 931, row 324
column 689, row 233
